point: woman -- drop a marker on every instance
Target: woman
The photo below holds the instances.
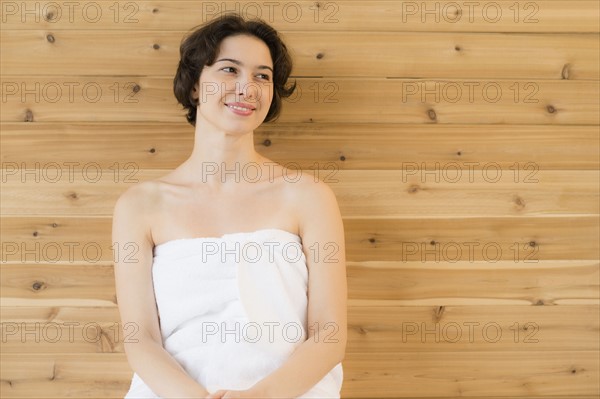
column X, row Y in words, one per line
column 173, row 300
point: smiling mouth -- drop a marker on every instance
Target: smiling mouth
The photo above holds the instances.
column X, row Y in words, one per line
column 239, row 108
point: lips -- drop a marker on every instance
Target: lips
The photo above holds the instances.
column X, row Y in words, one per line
column 240, row 106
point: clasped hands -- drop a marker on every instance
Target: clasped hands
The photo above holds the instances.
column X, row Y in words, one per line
column 251, row 393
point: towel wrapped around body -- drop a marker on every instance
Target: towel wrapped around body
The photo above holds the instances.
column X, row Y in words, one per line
column 233, row 308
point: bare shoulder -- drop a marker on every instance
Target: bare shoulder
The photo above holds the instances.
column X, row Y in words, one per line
column 314, row 200
column 133, row 211
column 142, row 196
column 311, row 191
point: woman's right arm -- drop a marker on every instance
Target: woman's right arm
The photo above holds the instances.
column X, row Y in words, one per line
column 136, row 301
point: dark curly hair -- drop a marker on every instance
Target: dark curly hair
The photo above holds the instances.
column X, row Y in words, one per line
column 201, row 46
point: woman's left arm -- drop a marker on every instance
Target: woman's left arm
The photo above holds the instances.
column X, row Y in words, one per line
column 323, row 242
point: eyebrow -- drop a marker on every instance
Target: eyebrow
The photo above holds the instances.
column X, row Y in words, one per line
column 240, row 63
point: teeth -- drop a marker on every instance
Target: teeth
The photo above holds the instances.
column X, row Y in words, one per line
column 239, row 108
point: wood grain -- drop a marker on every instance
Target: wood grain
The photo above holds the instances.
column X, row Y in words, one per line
column 323, row 100
column 519, row 239
column 422, row 55
column 418, row 190
column 141, row 146
column 371, row 283
column 541, row 16
column 460, row 139
column 515, row 374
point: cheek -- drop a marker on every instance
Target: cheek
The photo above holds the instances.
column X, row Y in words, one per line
column 267, row 93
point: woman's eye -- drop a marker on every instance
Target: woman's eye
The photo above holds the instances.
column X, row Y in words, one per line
column 262, row 75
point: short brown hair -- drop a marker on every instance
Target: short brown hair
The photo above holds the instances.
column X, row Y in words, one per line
column 201, row 47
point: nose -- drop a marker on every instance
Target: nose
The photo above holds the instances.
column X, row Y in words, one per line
column 248, row 89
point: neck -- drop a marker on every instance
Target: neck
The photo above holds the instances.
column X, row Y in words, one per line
column 221, row 159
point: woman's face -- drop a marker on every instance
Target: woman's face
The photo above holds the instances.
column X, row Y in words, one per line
column 242, row 73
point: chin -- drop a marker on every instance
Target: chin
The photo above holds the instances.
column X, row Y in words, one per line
column 240, row 129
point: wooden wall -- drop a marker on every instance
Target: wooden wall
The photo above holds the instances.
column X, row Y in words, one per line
column 460, row 138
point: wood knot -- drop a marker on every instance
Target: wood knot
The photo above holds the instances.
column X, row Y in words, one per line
column 566, row 70
column 38, row 285
column 520, row 202
column 317, row 4
column 457, row 48
column 371, row 240
column 136, row 88
column 28, row 116
column 53, row 313
column 532, row 243
column 539, row 302
column 362, row 331
column 438, row 313
column 50, row 38
column 72, row 195
column 550, row 109
column 152, row 150
column 342, row 158
column 267, row 142
column 50, row 16
column 156, row 46
column 320, row 55
column 432, row 115
column 432, row 242
column 35, row 233
column 154, row 10
column 459, row 153
column 413, row 188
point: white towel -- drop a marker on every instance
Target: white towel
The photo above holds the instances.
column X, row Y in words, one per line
column 233, row 308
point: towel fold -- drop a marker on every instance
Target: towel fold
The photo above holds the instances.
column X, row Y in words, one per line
column 233, row 308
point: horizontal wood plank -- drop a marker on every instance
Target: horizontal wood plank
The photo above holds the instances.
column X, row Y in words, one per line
column 472, row 328
column 520, row 240
column 379, row 146
column 64, row 375
column 49, row 239
column 330, row 100
column 372, row 329
column 550, row 282
column 422, row 55
column 59, row 285
column 392, row 375
column 461, row 374
column 370, row 284
column 341, row 15
column 418, row 190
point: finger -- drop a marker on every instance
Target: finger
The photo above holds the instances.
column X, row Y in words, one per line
column 217, row 394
